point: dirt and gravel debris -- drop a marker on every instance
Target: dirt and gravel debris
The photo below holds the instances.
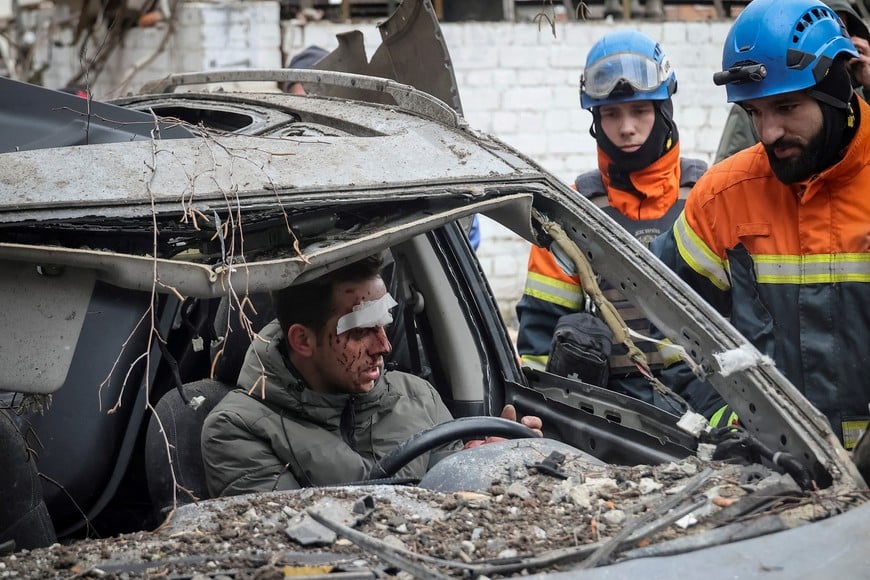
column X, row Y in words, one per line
column 462, row 534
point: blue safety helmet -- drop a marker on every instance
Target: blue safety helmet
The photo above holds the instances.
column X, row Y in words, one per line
column 780, row 46
column 623, row 66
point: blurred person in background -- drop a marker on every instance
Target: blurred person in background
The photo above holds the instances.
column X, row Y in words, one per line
column 305, row 59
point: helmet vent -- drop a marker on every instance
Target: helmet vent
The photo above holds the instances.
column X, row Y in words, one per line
column 788, row 40
column 809, row 18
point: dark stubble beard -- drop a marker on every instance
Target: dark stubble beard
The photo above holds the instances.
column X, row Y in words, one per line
column 794, row 169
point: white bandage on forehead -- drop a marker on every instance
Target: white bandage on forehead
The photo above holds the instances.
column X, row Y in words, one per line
column 368, row 314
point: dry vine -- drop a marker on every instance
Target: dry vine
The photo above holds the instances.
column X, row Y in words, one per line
column 230, row 233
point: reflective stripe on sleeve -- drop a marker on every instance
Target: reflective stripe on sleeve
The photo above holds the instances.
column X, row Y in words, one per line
column 812, row 269
column 554, row 291
column 853, row 428
column 698, row 255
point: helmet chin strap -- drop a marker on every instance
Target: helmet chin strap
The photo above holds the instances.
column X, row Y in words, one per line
column 834, row 94
column 835, row 88
column 838, row 133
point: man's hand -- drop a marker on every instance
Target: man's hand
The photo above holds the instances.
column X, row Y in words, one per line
column 510, row 413
column 534, row 423
column 860, row 67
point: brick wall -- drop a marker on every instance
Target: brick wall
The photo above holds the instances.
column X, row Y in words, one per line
column 207, row 36
column 517, row 81
column 521, row 83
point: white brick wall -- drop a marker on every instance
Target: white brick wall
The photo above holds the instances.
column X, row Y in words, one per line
column 516, row 81
column 537, row 108
column 208, row 36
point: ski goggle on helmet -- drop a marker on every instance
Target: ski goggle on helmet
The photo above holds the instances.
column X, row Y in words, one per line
column 780, row 46
column 624, row 66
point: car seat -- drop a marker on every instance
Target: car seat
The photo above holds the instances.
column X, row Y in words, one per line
column 181, row 427
column 24, row 519
column 182, row 422
column 232, row 342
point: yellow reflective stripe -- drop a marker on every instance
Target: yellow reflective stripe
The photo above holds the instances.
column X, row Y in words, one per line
column 552, row 290
column 716, row 419
column 535, row 361
column 812, row 269
column 698, row 255
column 852, row 431
column 717, row 416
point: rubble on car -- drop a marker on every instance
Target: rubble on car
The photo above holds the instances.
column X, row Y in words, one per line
column 555, row 514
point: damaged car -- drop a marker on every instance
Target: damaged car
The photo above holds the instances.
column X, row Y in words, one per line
column 140, row 240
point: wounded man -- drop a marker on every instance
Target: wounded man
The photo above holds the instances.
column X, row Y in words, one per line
column 314, row 404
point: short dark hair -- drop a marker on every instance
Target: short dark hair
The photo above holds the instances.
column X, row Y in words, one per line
column 310, row 303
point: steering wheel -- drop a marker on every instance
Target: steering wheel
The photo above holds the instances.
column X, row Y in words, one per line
column 438, row 435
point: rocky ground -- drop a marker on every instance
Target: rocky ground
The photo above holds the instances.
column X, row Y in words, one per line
column 555, row 516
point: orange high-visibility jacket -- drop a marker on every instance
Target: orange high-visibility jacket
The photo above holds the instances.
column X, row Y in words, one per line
column 553, row 289
column 790, row 265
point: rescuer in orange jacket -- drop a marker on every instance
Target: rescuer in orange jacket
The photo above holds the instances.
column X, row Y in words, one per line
column 641, row 182
column 777, row 236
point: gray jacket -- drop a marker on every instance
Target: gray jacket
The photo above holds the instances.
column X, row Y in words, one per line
column 279, row 434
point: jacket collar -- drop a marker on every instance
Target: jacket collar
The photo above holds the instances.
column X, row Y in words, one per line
column 855, row 158
column 657, row 185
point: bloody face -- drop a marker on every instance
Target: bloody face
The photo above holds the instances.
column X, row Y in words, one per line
column 350, row 362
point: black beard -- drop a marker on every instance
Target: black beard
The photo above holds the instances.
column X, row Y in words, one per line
column 800, row 168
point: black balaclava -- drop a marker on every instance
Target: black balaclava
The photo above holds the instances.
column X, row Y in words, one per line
column 837, row 135
column 834, row 93
column 661, row 139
